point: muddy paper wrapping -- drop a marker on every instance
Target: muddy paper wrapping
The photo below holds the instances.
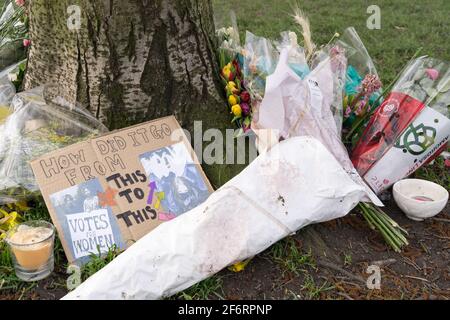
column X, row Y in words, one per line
column 298, row 182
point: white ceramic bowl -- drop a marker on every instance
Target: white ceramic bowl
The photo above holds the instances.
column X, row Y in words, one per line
column 420, row 199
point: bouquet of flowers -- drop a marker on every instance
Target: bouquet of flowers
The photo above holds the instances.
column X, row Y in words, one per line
column 362, row 91
column 231, row 64
column 36, row 127
column 300, row 90
column 410, row 128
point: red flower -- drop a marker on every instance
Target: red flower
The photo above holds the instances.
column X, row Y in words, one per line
column 236, row 66
column 245, row 96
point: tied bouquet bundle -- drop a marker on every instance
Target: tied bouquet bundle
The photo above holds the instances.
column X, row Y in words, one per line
column 231, row 64
column 319, row 91
column 363, row 88
column 410, row 128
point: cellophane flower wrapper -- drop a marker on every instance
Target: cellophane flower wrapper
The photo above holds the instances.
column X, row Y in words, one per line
column 260, row 60
column 336, row 54
column 229, row 41
column 410, row 128
column 34, row 128
column 359, row 65
column 7, row 92
column 296, row 54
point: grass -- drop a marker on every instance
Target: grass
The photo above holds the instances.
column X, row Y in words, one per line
column 207, row 289
column 98, row 261
column 348, row 259
column 289, row 256
column 314, row 291
column 405, row 25
column 437, row 172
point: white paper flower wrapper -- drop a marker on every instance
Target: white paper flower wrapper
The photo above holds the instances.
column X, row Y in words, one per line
column 296, row 183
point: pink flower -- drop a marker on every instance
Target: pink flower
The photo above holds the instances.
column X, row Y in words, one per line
column 336, row 51
column 433, row 74
column 370, row 84
column 20, row 3
column 447, row 163
column 361, row 107
column 26, row 42
column 348, row 111
column 338, row 59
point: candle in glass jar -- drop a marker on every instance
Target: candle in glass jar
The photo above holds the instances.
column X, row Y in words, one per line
column 32, row 246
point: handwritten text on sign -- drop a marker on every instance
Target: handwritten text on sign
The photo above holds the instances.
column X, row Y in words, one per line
column 90, row 232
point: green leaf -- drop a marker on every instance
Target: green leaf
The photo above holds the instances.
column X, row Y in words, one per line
column 235, row 118
column 238, row 84
column 224, row 81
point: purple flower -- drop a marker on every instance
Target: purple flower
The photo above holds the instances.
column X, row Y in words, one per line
column 245, row 108
column 361, row 107
column 348, row 111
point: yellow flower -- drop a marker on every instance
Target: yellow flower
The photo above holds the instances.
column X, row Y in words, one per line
column 240, row 266
column 9, row 220
column 226, row 73
column 231, row 86
column 236, row 110
column 232, row 100
column 345, row 101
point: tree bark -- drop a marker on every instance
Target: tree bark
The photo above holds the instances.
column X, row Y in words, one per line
column 131, row 61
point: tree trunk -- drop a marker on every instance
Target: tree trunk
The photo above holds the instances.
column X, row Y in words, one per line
column 131, row 61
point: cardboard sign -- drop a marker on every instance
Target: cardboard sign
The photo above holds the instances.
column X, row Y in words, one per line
column 114, row 189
